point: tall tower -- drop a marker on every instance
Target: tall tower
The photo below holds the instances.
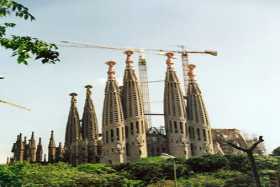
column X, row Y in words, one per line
column 133, row 109
column 32, row 148
column 39, row 151
column 89, row 128
column 52, row 149
column 73, row 135
column 113, row 131
column 18, row 149
column 59, row 153
column 21, row 147
column 26, row 144
column 174, row 110
column 199, row 126
column 143, row 77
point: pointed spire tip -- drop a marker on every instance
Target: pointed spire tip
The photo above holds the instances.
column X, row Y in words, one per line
column 88, row 86
column 73, row 94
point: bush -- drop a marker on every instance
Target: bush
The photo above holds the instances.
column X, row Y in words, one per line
column 153, row 169
column 207, row 163
column 238, row 163
column 202, row 180
column 240, row 181
column 96, row 168
column 276, row 152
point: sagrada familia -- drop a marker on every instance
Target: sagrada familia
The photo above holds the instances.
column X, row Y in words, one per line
column 126, row 135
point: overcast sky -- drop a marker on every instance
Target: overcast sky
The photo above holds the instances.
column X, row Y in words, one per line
column 240, row 86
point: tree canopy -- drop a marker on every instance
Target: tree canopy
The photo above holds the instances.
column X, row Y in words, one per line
column 24, row 47
column 276, row 152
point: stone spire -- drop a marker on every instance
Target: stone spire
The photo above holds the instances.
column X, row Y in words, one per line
column 21, row 147
column 73, row 134
column 133, row 108
column 199, row 126
column 39, row 151
column 174, row 110
column 113, row 121
column 89, row 128
column 26, row 144
column 59, row 153
column 18, row 149
column 32, row 147
column 52, row 149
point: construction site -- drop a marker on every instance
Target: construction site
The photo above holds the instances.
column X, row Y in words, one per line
column 127, row 132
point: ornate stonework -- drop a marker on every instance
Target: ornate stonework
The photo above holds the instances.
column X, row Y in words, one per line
column 199, row 126
column 174, row 113
column 133, row 109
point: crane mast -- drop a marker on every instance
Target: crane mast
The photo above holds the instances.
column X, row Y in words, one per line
column 143, row 77
column 185, row 63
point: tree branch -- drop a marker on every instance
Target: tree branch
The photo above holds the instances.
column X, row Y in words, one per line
column 256, row 143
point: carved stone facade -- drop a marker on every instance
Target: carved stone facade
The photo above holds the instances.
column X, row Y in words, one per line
column 133, row 109
column 125, row 136
column 199, row 126
column 113, row 127
column 29, row 152
column 174, row 113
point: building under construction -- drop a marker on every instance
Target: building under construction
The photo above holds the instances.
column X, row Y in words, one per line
column 126, row 134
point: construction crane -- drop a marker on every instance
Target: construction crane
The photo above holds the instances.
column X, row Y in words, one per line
column 143, row 73
column 142, row 68
column 184, row 53
column 13, row 104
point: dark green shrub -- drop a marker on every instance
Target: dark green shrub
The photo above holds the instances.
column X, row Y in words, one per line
column 240, row 181
column 96, row 168
column 276, row 152
column 238, row 163
column 207, row 163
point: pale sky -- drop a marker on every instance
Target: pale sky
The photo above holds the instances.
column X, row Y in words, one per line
column 240, row 86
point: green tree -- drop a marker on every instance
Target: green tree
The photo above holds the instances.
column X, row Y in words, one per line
column 24, row 47
column 276, row 152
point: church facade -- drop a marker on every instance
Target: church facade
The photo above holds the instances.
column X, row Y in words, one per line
column 125, row 135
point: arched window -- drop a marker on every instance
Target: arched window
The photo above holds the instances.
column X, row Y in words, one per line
column 198, row 134
column 126, row 132
column 112, row 135
column 181, row 127
column 118, row 134
column 175, row 127
column 137, row 127
column 131, row 129
column 204, row 135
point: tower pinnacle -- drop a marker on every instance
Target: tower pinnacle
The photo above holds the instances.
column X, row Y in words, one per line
column 111, row 70
column 169, row 61
column 191, row 74
column 128, row 60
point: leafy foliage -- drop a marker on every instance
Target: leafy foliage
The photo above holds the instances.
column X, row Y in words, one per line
column 24, row 47
column 276, row 152
column 219, row 171
column 207, row 163
column 153, row 169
